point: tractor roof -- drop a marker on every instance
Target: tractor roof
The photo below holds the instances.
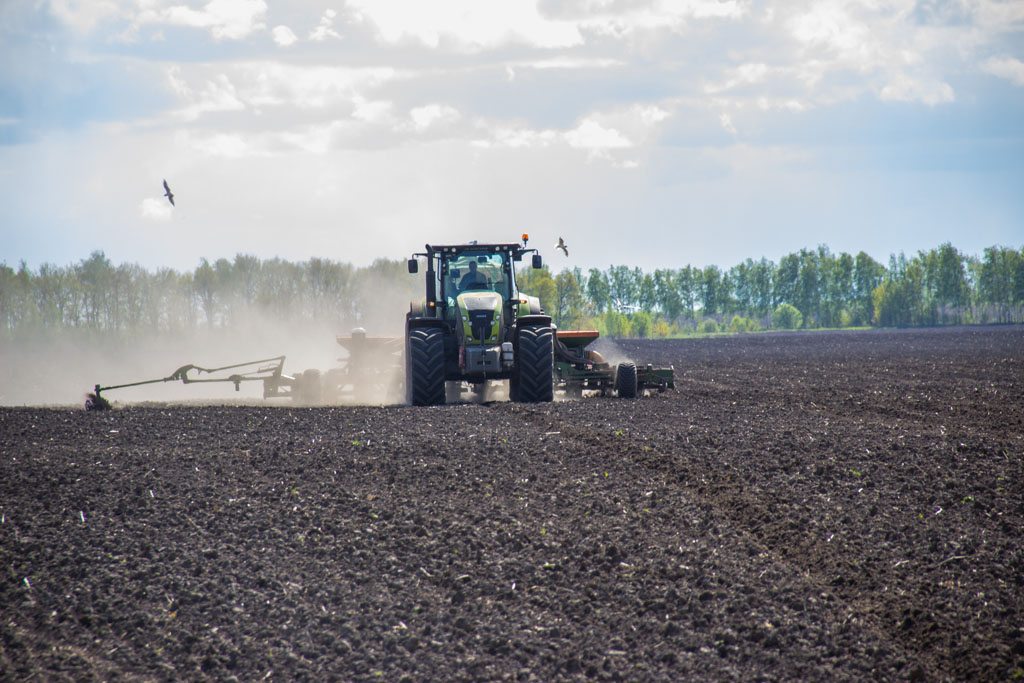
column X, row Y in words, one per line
column 455, row 248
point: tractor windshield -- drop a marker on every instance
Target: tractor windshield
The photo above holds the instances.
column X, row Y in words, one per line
column 471, row 270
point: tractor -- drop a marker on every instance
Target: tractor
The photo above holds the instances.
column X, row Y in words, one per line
column 475, row 326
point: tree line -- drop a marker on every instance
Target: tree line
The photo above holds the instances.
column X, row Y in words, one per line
column 811, row 288
column 95, row 296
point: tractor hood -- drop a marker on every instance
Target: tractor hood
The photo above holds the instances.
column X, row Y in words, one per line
column 480, row 317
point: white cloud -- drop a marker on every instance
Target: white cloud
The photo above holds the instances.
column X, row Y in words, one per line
column 375, row 111
column 829, row 24
column 223, row 145
column 288, row 90
column 727, row 124
column 904, row 88
column 325, row 29
column 84, row 15
column 433, row 114
column 596, row 139
column 566, row 62
column 650, row 115
column 216, row 95
column 998, row 14
column 316, row 139
column 744, row 74
column 614, row 19
column 518, row 138
column 155, row 209
column 225, row 19
column 465, row 24
column 847, row 48
column 1010, row 68
column 283, row 36
column 780, row 104
column 308, row 87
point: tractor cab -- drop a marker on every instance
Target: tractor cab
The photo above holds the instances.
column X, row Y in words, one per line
column 476, row 271
column 454, row 270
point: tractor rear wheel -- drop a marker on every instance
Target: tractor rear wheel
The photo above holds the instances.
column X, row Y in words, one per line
column 425, row 367
column 534, row 381
column 625, row 380
column 309, row 389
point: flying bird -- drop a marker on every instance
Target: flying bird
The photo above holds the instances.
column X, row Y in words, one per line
column 168, row 193
column 624, row 308
column 561, row 245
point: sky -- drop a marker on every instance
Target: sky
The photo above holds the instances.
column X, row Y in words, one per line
column 645, row 133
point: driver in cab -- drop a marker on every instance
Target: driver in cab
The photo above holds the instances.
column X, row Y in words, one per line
column 472, row 277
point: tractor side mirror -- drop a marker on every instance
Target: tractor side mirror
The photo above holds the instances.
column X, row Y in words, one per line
column 538, row 262
column 414, row 266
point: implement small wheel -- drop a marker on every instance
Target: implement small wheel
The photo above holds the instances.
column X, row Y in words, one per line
column 425, row 367
column 96, row 402
column 625, row 380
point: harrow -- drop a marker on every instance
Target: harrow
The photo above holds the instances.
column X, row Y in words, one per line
column 266, row 370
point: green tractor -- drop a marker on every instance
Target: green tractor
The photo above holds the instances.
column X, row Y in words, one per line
column 475, row 326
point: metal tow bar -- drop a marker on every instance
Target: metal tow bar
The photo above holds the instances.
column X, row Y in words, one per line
column 95, row 400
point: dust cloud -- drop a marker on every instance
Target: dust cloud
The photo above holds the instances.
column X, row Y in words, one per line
column 60, row 368
column 611, row 351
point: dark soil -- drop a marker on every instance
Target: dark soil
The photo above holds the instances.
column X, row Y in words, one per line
column 803, row 506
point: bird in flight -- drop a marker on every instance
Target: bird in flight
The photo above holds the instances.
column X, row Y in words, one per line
column 168, row 193
column 561, row 245
column 624, row 308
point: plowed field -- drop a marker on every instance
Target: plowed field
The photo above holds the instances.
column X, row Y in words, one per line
column 803, row 506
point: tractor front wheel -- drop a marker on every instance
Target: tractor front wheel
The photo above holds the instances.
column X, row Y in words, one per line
column 534, row 380
column 425, row 367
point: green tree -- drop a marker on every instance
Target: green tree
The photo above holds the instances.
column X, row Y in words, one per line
column 785, row 282
column 132, row 284
column 616, row 325
column 647, row 292
column 786, row 316
column 598, row 290
column 809, row 286
column 624, row 286
column 246, row 271
column 742, row 285
column 867, row 276
column 640, row 324
column 539, row 283
column 899, row 300
column 838, row 288
column 710, row 289
column 760, row 275
column 205, row 279
column 996, row 281
column 687, row 283
column 96, row 275
column 1018, row 282
column 667, row 293
column 952, row 286
column 569, row 299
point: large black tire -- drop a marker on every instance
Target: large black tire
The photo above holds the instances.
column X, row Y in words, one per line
column 535, row 365
column 625, row 380
column 309, row 390
column 425, row 367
